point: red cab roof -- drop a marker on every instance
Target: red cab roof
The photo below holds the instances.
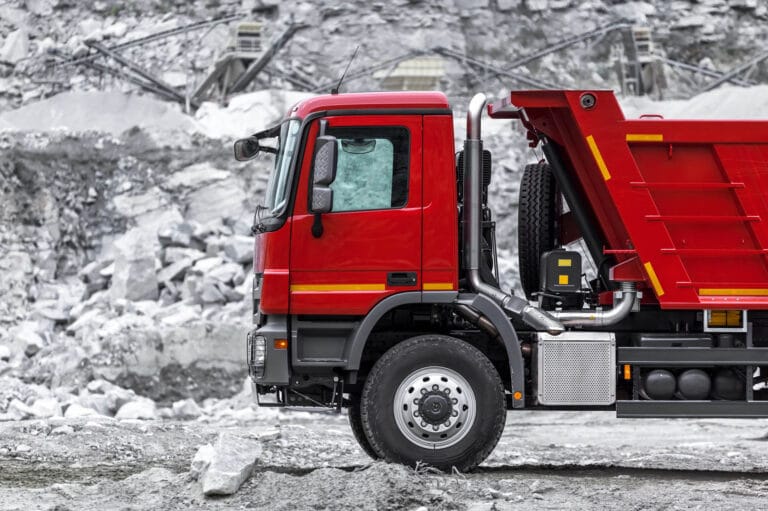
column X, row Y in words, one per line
column 371, row 100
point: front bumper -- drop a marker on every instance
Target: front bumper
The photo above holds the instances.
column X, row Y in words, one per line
column 266, row 364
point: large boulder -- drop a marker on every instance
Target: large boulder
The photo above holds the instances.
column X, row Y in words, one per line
column 230, row 465
column 170, row 359
column 222, row 199
column 26, row 338
column 16, row 269
column 140, row 409
column 16, row 47
column 134, row 276
column 238, row 249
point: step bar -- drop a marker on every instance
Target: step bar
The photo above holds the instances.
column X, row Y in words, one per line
column 691, row 357
column 692, row 409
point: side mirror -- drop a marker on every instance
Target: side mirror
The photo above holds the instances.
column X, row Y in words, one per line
column 247, row 148
column 324, row 172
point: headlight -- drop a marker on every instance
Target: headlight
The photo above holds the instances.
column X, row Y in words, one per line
column 257, row 345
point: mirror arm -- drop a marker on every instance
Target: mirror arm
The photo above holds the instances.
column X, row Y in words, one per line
column 317, row 226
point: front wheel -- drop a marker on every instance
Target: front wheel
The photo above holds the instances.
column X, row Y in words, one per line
column 436, row 400
column 356, row 425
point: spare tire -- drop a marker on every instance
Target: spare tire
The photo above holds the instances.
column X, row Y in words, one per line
column 536, row 216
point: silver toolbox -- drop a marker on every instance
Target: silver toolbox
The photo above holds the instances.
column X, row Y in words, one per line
column 576, row 369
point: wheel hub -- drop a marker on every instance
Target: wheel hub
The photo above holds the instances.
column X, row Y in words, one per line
column 434, row 407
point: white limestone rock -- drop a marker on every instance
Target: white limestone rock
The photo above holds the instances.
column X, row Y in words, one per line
column 143, row 408
column 186, row 409
column 231, row 464
column 75, row 411
column 238, row 249
column 201, row 461
column 17, row 410
column 46, row 408
column 134, row 277
column 16, row 46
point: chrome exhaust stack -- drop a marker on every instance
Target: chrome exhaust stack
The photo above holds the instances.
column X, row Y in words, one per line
column 473, row 148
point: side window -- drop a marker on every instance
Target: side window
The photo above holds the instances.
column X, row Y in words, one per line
column 372, row 171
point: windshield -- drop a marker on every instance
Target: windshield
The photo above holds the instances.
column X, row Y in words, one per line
column 277, row 187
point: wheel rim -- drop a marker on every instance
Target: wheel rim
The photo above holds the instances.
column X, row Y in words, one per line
column 434, row 407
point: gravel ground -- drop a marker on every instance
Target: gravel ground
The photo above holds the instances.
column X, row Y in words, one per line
column 545, row 460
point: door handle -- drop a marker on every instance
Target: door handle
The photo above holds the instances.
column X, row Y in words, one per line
column 401, row 278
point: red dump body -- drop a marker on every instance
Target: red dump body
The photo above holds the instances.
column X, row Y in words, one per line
column 681, row 204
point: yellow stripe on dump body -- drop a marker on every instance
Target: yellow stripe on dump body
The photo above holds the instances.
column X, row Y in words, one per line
column 336, row 287
column 654, row 279
column 437, row 286
column 645, row 137
column 733, row 292
column 598, row 158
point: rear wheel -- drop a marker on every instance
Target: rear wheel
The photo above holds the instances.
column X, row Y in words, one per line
column 436, row 400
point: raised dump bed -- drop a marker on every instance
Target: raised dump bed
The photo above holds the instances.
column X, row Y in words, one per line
column 680, row 205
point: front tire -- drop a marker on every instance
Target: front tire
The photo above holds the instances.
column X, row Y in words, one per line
column 436, row 400
column 356, row 425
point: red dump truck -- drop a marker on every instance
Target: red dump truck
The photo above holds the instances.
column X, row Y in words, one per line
column 377, row 286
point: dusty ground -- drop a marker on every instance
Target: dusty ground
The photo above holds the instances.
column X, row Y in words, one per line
column 552, row 460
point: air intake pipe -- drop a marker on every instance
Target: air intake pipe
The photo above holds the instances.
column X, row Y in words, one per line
column 473, row 148
column 612, row 316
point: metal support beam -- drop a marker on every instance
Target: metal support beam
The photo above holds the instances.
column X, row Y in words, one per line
column 154, row 37
column 149, row 87
column 570, row 41
column 736, row 71
column 140, row 71
column 521, row 78
column 704, row 71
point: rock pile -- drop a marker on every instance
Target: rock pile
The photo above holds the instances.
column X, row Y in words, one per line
column 105, row 400
column 126, row 262
column 184, row 261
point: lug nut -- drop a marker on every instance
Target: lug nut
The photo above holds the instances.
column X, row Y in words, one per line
column 454, row 401
column 423, row 391
column 434, row 428
column 448, row 423
column 423, row 424
column 435, row 387
column 447, row 391
column 416, row 414
column 454, row 413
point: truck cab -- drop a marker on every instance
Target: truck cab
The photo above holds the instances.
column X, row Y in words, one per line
column 376, row 284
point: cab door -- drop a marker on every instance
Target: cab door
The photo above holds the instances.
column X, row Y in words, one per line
column 370, row 246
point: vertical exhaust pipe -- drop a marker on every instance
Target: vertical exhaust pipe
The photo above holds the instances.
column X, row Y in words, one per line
column 473, row 148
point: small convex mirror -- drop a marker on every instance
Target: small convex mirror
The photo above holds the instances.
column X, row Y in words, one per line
column 246, row 148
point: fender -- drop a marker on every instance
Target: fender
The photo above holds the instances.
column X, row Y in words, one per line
column 485, row 306
column 496, row 315
column 354, row 350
